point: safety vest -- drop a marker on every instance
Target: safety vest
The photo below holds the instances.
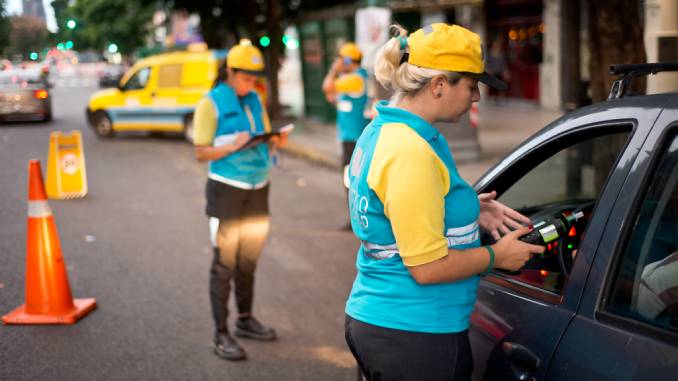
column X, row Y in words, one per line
column 384, row 292
column 351, row 120
column 249, row 168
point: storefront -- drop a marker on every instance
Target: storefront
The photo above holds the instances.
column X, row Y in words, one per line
column 515, row 30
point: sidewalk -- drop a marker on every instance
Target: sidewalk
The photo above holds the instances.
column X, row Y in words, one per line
column 501, row 128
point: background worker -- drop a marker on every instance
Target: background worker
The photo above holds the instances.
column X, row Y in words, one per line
column 236, row 191
column 418, row 221
column 346, row 86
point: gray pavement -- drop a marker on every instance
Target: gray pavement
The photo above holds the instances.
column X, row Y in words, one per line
column 501, row 128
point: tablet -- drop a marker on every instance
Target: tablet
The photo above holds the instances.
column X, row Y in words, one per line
column 264, row 138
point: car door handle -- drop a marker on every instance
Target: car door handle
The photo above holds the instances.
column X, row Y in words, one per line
column 523, row 361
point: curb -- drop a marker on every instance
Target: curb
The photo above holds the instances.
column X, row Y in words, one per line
column 314, row 156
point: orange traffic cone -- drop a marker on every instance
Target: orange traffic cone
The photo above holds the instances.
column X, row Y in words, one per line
column 48, row 295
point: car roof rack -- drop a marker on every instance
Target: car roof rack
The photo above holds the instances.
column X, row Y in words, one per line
column 631, row 71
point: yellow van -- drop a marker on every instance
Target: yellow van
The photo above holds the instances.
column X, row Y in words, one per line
column 158, row 93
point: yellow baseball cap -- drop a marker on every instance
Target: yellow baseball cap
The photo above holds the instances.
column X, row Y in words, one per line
column 451, row 48
column 350, row 50
column 245, row 57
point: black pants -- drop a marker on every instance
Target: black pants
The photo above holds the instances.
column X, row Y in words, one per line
column 385, row 354
column 243, row 228
column 347, row 149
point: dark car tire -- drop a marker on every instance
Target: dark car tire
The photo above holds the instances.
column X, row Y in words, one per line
column 102, row 124
column 188, row 128
column 47, row 117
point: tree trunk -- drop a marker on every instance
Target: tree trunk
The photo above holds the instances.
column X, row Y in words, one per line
column 615, row 37
column 273, row 20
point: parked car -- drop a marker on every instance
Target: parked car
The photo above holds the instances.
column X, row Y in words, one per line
column 24, row 95
column 602, row 302
column 111, row 75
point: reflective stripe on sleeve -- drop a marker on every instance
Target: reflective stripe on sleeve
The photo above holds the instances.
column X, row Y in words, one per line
column 39, row 209
column 376, row 251
column 463, row 235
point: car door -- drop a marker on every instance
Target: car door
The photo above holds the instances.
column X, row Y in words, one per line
column 135, row 111
column 627, row 324
column 578, row 162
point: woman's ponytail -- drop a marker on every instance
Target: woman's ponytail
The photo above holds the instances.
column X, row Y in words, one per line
column 389, row 56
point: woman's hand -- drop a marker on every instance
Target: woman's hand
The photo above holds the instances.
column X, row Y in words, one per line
column 278, row 141
column 511, row 254
column 497, row 218
column 240, row 140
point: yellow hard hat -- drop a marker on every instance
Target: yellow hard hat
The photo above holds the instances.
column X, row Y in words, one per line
column 245, row 57
column 351, row 50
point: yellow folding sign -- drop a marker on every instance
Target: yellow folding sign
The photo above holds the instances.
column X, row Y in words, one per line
column 66, row 175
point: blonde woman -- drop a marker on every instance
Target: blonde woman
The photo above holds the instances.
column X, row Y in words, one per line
column 420, row 258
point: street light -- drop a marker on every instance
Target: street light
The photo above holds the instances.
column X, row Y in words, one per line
column 71, row 24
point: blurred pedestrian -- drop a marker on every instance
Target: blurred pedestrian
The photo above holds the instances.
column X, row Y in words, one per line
column 418, row 221
column 237, row 192
column 497, row 66
column 345, row 85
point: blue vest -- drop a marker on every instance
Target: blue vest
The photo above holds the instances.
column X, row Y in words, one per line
column 384, row 292
column 249, row 168
column 350, row 112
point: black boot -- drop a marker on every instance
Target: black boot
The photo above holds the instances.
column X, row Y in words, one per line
column 227, row 347
column 251, row 328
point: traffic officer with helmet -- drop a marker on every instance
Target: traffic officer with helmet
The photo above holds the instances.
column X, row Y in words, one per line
column 420, row 258
column 346, row 86
column 236, row 191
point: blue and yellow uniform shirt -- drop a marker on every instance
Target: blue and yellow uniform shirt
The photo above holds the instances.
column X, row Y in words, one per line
column 219, row 117
column 408, row 206
column 351, row 104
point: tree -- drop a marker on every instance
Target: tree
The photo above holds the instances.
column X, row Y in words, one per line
column 4, row 27
column 27, row 34
column 100, row 22
column 615, row 37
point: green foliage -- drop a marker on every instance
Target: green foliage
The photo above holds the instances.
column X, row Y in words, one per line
column 101, row 22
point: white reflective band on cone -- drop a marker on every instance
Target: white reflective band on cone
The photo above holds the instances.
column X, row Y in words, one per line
column 39, row 209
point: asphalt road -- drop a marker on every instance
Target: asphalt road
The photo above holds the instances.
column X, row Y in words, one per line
column 139, row 244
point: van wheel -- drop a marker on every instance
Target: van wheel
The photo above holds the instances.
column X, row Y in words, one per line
column 102, row 124
column 188, row 128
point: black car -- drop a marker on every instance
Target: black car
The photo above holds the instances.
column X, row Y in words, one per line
column 602, row 302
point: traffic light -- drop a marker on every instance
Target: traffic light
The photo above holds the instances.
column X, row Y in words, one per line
column 71, row 24
column 34, row 56
column 69, row 44
column 112, row 48
column 264, row 41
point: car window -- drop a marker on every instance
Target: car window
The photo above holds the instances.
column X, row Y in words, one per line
column 139, row 80
column 169, row 76
column 564, row 185
column 645, row 285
